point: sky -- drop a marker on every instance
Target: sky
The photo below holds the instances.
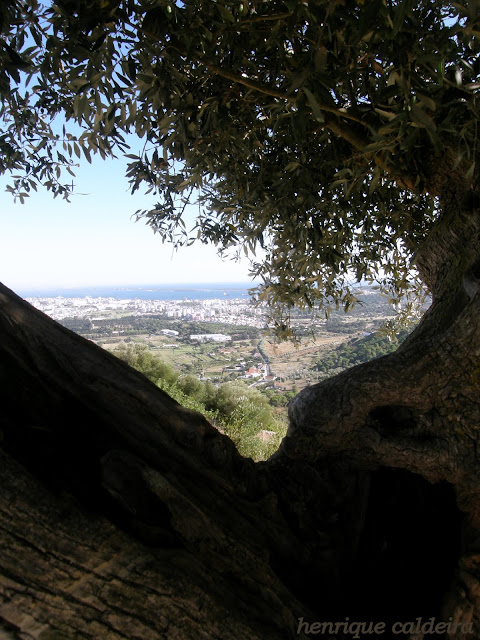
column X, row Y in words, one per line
column 93, row 240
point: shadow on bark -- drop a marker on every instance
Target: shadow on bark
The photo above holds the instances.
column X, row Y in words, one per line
column 408, row 550
column 368, row 510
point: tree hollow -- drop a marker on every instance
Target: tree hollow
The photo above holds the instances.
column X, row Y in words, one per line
column 408, row 550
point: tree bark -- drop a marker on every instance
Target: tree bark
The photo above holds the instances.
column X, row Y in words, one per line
column 410, row 421
column 123, row 514
column 88, row 426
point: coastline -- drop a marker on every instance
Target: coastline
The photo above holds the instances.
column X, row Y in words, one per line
column 175, row 291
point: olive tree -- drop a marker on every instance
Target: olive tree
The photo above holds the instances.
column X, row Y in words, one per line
column 340, row 137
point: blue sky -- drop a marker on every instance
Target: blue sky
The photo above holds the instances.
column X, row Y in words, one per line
column 93, row 240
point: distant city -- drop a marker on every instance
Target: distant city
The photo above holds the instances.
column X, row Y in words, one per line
column 218, row 333
column 211, row 302
column 237, row 311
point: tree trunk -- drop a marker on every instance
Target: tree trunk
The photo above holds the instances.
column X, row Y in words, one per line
column 191, row 524
column 124, row 515
column 408, row 424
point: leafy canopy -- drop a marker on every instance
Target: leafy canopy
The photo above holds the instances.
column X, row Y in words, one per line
column 322, row 131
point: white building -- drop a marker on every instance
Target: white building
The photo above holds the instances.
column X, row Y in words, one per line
column 169, row 332
column 214, row 337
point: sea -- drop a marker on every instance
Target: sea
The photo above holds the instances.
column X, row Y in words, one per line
column 189, row 291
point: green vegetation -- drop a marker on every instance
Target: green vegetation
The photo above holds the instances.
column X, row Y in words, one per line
column 242, row 413
column 329, row 134
column 316, row 354
column 303, row 128
column 138, row 357
column 130, row 325
column 356, row 351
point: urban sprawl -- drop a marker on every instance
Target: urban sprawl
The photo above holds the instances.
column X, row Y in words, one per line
column 237, row 311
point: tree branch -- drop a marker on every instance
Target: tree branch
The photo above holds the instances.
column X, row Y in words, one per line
column 279, row 16
column 357, row 141
column 261, row 88
column 353, row 137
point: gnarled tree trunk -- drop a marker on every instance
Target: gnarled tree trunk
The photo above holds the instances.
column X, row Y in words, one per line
column 408, row 425
column 191, row 524
column 123, row 515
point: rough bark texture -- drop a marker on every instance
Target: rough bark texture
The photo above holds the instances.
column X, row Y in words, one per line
column 123, row 515
column 89, row 426
column 69, row 573
column 408, row 418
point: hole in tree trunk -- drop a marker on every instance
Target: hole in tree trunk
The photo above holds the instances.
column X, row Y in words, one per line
column 408, row 550
column 391, row 554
